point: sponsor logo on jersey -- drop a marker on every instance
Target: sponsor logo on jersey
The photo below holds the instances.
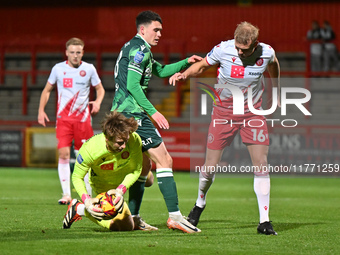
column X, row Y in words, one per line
column 142, row 47
column 138, row 57
column 125, row 155
column 82, row 73
column 107, row 166
column 147, row 141
column 139, row 122
column 67, row 82
column 80, row 159
column 237, row 72
column 148, row 72
column 255, row 73
column 259, row 62
column 233, row 59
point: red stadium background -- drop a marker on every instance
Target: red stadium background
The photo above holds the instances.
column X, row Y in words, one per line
column 201, row 25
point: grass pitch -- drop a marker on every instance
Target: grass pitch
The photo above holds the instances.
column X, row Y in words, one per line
column 304, row 211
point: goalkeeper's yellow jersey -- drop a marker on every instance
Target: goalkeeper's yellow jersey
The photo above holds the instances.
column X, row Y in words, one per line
column 107, row 169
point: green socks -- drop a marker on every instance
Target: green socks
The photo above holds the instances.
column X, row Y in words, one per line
column 168, row 188
column 136, row 192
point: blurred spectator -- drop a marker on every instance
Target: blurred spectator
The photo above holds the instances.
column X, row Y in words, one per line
column 330, row 53
column 314, row 36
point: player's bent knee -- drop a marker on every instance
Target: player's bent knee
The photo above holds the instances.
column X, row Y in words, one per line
column 164, row 161
column 260, row 163
column 169, row 160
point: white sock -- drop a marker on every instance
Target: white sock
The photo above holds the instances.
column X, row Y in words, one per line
column 81, row 209
column 64, row 172
column 205, row 181
column 262, row 191
column 175, row 215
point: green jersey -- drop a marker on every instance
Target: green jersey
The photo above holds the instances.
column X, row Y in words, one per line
column 107, row 169
column 133, row 70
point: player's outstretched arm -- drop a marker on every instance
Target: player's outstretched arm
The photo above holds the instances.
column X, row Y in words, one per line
column 194, row 59
column 194, row 70
column 45, row 95
column 100, row 92
column 163, row 71
column 176, row 78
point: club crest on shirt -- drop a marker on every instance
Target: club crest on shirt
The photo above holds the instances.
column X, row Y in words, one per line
column 125, row 155
column 82, row 73
column 138, row 57
column 107, row 166
column 259, row 62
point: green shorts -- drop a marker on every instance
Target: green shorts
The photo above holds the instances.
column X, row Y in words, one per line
column 149, row 134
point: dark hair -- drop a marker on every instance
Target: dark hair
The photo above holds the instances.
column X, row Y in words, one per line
column 146, row 17
column 116, row 124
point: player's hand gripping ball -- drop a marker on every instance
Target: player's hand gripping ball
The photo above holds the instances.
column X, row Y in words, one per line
column 106, row 203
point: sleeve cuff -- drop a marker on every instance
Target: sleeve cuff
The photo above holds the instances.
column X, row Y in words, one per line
column 122, row 188
column 84, row 197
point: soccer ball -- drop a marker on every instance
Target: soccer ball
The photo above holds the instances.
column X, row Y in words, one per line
column 106, row 203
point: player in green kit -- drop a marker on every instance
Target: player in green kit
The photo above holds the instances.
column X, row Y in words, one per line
column 113, row 160
column 133, row 70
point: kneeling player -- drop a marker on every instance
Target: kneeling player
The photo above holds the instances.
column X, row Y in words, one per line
column 114, row 162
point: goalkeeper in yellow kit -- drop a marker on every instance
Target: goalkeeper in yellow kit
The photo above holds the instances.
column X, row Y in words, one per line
column 114, row 162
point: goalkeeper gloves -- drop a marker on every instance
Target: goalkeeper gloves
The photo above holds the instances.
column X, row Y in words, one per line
column 93, row 207
column 119, row 199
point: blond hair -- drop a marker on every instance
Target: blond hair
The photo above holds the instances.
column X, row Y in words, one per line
column 245, row 33
column 75, row 41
